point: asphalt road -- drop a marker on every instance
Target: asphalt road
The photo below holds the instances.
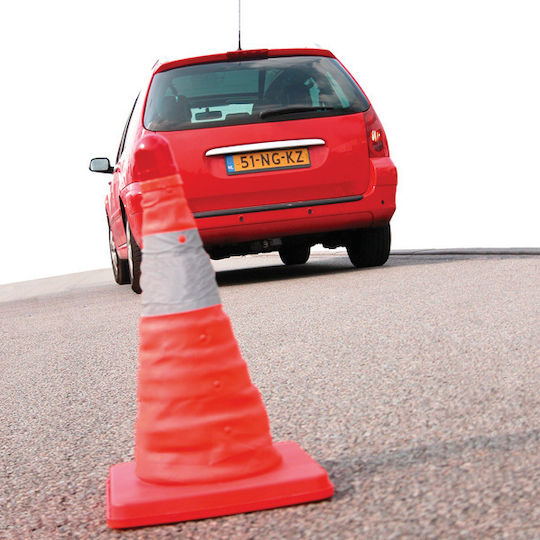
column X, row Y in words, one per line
column 416, row 385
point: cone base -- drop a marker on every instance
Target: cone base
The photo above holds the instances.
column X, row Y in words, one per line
column 134, row 503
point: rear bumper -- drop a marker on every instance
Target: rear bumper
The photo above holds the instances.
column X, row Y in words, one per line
column 218, row 227
column 373, row 208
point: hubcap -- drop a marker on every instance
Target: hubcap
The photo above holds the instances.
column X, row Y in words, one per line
column 114, row 255
column 129, row 250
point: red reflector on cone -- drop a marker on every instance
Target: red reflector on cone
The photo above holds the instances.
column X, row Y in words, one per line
column 203, row 446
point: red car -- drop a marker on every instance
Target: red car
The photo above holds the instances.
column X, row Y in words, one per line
column 278, row 150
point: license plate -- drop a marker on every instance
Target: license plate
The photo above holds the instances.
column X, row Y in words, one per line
column 271, row 160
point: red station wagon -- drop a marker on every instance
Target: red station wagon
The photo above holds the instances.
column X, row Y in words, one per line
column 278, row 150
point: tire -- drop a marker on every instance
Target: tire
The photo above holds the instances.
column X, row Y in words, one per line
column 369, row 247
column 120, row 267
column 134, row 260
column 298, row 254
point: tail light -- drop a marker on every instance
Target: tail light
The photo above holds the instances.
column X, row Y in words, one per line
column 376, row 137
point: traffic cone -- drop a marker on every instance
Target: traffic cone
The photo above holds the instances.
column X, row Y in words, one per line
column 202, row 437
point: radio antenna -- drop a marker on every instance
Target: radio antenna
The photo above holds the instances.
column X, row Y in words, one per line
column 239, row 46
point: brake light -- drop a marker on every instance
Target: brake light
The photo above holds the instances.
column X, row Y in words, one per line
column 376, row 138
column 253, row 54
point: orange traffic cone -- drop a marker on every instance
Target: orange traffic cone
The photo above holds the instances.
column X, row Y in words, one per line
column 202, row 438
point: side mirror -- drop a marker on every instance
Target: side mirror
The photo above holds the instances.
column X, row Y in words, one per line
column 101, row 164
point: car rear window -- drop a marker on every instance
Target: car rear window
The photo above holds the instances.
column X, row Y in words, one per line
column 250, row 91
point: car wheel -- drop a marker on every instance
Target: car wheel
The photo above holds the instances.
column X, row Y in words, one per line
column 120, row 266
column 134, row 260
column 369, row 247
column 294, row 254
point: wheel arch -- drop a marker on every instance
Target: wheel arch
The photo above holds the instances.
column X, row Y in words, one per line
column 122, row 211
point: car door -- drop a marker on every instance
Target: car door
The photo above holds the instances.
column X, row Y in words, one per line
column 118, row 180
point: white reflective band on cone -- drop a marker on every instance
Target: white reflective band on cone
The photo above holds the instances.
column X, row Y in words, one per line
column 182, row 278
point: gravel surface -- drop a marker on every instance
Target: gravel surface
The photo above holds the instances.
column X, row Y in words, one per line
column 416, row 385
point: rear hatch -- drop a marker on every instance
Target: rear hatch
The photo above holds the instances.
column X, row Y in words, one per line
column 262, row 131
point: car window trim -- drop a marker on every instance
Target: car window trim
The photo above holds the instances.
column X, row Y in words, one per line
column 124, row 133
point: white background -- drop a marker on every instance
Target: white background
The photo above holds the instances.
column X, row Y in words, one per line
column 455, row 83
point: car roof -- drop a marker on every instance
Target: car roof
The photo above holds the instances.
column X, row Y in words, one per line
column 234, row 56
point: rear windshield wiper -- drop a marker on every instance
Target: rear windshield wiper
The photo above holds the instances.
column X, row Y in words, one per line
column 292, row 110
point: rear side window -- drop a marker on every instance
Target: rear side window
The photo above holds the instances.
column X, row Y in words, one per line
column 251, row 91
